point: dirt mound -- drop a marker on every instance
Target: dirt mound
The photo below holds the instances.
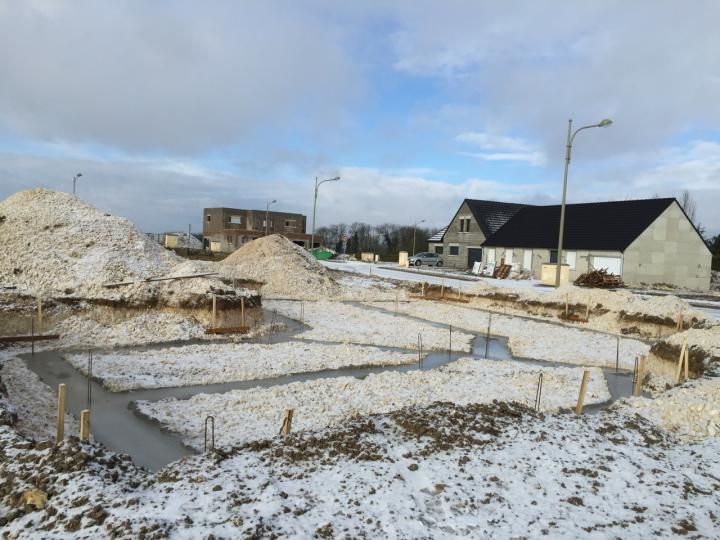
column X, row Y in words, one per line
column 53, row 243
column 286, row 269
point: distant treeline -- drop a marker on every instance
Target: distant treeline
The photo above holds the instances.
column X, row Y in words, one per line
column 386, row 240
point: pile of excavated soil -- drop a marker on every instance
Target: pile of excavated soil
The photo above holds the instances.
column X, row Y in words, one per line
column 285, row 269
column 52, row 244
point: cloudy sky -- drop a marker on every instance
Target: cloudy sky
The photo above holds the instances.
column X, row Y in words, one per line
column 167, row 107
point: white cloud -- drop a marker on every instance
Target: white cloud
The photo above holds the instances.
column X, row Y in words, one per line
column 501, row 148
column 179, row 77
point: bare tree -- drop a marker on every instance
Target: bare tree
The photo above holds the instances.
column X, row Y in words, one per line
column 687, row 202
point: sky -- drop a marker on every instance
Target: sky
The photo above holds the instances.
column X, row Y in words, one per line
column 167, row 107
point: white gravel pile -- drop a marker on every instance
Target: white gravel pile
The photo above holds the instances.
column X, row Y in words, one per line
column 211, row 363
column 244, row 415
column 52, row 241
column 285, row 269
column 53, row 244
column 80, row 331
column 691, row 411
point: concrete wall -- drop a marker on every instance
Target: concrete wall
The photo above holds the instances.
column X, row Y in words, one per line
column 218, row 226
column 669, row 251
column 583, row 259
column 453, row 237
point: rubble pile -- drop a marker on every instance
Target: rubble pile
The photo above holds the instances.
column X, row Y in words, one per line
column 285, row 269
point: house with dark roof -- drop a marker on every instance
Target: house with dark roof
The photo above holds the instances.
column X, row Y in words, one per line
column 460, row 243
column 645, row 241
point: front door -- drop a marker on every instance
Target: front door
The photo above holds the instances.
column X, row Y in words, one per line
column 474, row 255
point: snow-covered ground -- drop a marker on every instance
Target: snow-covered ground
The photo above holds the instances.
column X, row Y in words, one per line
column 35, row 403
column 224, row 362
column 245, row 415
column 442, row 471
column 347, row 323
column 692, row 411
column 426, row 274
column 532, row 339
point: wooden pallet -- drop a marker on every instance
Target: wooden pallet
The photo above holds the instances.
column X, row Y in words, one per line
column 502, row 271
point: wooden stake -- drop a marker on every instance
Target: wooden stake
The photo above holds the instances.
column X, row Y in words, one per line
column 84, row 425
column 587, row 311
column 40, row 318
column 680, row 322
column 583, row 388
column 458, row 295
column 640, row 374
column 422, row 288
column 60, row 414
column 242, row 311
column 214, row 313
column 683, row 349
column 687, row 363
column 566, row 305
column 287, row 422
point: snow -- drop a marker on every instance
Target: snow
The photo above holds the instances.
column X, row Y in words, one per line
column 533, row 339
column 707, row 339
column 224, row 362
column 691, row 411
column 346, row 323
column 35, row 403
column 149, row 327
column 245, row 415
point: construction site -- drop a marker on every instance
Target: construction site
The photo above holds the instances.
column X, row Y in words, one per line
column 144, row 395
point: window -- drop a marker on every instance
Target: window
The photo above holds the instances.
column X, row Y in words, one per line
column 208, row 218
column 571, row 259
column 454, row 250
column 508, row 256
column 290, row 223
column 553, row 256
column 464, row 224
column 237, row 220
column 439, row 250
column 490, row 256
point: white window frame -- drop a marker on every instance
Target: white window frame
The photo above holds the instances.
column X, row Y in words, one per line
column 450, row 246
column 490, row 255
column 235, row 219
column 509, row 256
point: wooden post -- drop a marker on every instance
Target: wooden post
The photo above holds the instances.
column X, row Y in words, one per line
column 60, row 414
column 458, row 295
column 583, row 388
column 587, row 311
column 687, row 363
column 567, row 301
column 40, row 318
column 442, row 288
column 680, row 322
column 242, row 311
column 287, row 422
column 640, row 374
column 84, row 425
column 681, row 360
column 422, row 288
column 214, row 310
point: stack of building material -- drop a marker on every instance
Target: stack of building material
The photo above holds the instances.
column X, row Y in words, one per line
column 599, row 278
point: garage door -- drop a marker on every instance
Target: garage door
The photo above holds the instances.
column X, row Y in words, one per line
column 613, row 264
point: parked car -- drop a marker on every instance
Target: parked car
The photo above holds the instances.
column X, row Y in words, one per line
column 431, row 259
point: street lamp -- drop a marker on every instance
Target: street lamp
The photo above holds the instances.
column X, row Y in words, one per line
column 267, row 212
column 414, row 231
column 568, row 148
column 317, row 185
column 78, row 175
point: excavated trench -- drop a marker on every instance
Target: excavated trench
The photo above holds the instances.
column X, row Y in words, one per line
column 117, row 425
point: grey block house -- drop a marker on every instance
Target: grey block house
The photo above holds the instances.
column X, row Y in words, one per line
column 460, row 243
column 647, row 242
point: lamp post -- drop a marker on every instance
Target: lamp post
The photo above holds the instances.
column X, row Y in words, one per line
column 414, row 231
column 267, row 212
column 568, row 148
column 317, row 185
column 78, row 175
